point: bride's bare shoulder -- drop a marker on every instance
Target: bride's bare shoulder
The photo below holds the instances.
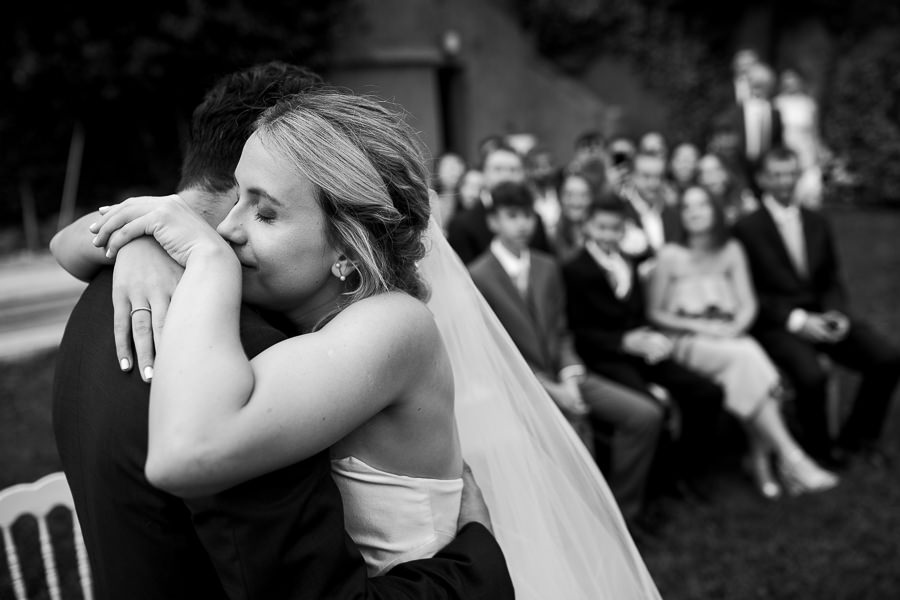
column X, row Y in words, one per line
column 392, row 317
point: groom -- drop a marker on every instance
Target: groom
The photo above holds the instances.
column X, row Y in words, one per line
column 278, row 536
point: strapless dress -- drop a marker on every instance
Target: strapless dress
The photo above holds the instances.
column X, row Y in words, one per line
column 395, row 518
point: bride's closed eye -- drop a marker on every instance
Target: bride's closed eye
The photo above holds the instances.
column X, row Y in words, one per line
column 263, row 217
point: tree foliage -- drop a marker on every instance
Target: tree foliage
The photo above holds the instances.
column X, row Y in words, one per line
column 864, row 120
column 683, row 58
column 131, row 73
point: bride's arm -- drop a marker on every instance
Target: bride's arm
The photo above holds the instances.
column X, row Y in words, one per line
column 143, row 276
column 217, row 419
column 73, row 250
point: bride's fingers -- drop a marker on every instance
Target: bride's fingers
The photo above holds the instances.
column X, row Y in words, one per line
column 114, row 218
column 142, row 329
column 122, row 329
column 130, row 230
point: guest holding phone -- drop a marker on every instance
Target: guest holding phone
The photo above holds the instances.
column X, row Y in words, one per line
column 804, row 312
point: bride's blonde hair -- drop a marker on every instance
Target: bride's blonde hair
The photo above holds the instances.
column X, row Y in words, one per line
column 370, row 174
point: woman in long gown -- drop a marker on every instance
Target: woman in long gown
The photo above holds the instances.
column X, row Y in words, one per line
column 701, row 292
column 324, row 230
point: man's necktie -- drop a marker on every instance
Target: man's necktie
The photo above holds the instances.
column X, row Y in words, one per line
column 792, row 232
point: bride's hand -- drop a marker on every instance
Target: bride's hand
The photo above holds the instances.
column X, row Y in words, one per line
column 177, row 228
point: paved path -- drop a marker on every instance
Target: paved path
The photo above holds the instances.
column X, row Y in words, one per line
column 36, row 297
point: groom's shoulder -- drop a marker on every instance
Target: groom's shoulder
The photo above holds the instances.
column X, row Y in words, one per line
column 259, row 330
column 89, row 327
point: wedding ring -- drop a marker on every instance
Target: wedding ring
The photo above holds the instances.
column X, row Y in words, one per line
column 140, row 308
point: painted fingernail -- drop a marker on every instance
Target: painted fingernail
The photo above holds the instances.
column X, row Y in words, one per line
column 103, row 209
column 93, row 227
column 148, row 373
column 125, row 364
column 109, row 253
column 95, row 240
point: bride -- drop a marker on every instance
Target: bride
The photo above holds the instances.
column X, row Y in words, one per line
column 327, row 230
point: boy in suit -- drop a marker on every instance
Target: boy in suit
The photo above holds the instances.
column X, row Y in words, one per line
column 606, row 313
column 524, row 288
column 803, row 311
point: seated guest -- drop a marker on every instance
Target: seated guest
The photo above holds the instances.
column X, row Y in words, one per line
column 725, row 189
column 575, row 194
column 595, row 170
column 468, row 232
column 612, row 335
column 701, row 294
column 653, row 142
column 469, row 190
column 487, row 145
column 543, row 177
column 803, row 312
column 724, row 142
column 448, row 170
column 589, row 145
column 524, row 288
column 649, row 219
column 620, row 153
column 683, row 166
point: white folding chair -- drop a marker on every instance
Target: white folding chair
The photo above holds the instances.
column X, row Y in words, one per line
column 38, row 499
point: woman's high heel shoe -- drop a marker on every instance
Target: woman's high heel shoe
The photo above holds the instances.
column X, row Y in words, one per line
column 800, row 475
column 760, row 468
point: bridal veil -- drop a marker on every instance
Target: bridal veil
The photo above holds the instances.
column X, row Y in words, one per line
column 553, row 514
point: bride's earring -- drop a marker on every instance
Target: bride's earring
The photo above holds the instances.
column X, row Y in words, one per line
column 338, row 271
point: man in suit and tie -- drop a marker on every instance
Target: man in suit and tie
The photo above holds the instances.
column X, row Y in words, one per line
column 277, row 536
column 803, row 311
column 605, row 307
column 468, row 232
column 757, row 122
column 524, row 288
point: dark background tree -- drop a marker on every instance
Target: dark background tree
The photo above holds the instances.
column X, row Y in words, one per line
column 129, row 76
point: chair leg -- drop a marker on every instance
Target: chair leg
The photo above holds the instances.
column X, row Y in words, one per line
column 834, row 413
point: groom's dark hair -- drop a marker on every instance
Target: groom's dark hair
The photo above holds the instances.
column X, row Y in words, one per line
column 225, row 119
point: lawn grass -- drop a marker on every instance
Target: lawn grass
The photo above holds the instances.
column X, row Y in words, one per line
column 27, row 447
column 840, row 544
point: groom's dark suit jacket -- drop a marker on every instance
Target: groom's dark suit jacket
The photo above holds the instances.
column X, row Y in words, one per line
column 279, row 536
